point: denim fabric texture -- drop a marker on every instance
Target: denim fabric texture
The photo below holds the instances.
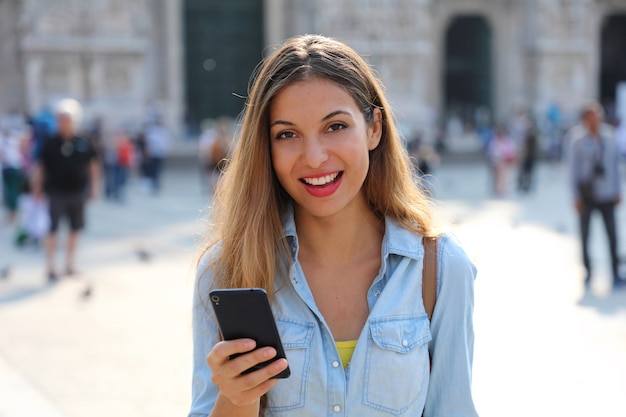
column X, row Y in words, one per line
column 389, row 371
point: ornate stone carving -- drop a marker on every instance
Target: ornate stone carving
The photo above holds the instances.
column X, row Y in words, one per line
column 79, row 18
column 375, row 20
column 565, row 20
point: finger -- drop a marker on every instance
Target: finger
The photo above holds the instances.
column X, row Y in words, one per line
column 259, row 377
column 243, row 389
column 242, row 398
column 251, row 359
column 261, row 389
column 222, row 351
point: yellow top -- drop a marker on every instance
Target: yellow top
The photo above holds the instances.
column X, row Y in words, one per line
column 346, row 349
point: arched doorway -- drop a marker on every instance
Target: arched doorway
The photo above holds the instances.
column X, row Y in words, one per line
column 223, row 44
column 612, row 59
column 468, row 70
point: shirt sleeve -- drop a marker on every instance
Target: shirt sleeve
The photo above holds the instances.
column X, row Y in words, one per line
column 452, row 344
column 205, row 336
column 615, row 171
column 574, row 166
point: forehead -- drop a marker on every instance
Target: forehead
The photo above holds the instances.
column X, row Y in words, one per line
column 592, row 114
column 65, row 117
column 312, row 95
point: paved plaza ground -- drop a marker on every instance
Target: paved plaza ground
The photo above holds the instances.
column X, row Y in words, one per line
column 544, row 347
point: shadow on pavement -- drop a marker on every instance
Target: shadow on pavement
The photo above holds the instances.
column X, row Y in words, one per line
column 21, row 294
column 606, row 305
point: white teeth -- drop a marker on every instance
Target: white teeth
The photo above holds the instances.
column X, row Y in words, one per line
column 321, row 180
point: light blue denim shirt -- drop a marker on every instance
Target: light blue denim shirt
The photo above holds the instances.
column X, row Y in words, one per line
column 389, row 371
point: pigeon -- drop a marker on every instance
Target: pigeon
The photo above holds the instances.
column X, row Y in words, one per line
column 143, row 255
column 87, row 292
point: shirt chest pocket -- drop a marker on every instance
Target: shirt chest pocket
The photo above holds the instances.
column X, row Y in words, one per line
column 397, row 363
column 289, row 394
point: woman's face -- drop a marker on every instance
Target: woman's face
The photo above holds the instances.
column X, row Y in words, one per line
column 320, row 145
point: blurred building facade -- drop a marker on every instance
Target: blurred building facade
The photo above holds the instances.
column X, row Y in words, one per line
column 121, row 59
column 191, row 59
column 439, row 57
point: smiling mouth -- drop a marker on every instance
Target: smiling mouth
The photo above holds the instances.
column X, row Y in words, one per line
column 322, row 181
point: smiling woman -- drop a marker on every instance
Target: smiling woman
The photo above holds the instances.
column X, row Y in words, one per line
column 319, row 208
column 320, row 143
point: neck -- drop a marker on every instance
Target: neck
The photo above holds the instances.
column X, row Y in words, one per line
column 65, row 136
column 347, row 236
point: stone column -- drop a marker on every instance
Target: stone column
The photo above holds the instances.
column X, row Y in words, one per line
column 34, row 100
column 173, row 12
column 565, row 50
column 274, row 22
column 12, row 95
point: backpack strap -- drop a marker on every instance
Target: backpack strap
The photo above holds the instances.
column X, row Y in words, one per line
column 429, row 275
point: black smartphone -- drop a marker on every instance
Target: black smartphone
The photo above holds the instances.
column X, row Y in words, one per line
column 246, row 313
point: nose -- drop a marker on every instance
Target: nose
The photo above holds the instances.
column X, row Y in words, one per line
column 314, row 153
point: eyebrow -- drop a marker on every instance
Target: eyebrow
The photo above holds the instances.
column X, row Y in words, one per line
column 328, row 116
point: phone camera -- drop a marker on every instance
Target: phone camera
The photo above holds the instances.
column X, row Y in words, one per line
column 215, row 299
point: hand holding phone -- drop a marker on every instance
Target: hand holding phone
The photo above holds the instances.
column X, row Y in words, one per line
column 246, row 314
column 242, row 390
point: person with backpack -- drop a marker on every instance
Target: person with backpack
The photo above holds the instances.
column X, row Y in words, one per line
column 318, row 207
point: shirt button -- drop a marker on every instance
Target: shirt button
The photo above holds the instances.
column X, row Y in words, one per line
column 336, row 408
column 335, row 364
column 405, row 343
column 376, row 293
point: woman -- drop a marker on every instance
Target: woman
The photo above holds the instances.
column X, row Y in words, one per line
column 502, row 155
column 318, row 207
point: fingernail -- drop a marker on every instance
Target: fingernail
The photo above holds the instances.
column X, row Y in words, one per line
column 269, row 353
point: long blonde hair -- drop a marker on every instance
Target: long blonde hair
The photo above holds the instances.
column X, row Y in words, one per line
column 246, row 233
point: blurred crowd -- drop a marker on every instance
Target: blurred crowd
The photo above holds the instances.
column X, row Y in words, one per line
column 511, row 148
column 121, row 153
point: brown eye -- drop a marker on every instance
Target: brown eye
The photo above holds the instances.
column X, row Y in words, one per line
column 285, row 135
column 336, row 126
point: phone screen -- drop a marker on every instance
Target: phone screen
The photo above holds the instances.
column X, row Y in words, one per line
column 246, row 313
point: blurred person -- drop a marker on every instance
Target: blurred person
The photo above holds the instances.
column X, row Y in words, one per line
column 213, row 147
column 206, row 143
column 68, row 173
column 125, row 157
column 139, row 143
column 518, row 126
column 318, row 207
column 12, row 161
column 44, row 127
column 595, row 181
column 529, row 153
column 424, row 158
column 108, row 154
column 502, row 154
column 554, row 119
column 620, row 137
column 118, row 160
column 157, row 139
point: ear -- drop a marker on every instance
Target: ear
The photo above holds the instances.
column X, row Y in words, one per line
column 375, row 129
